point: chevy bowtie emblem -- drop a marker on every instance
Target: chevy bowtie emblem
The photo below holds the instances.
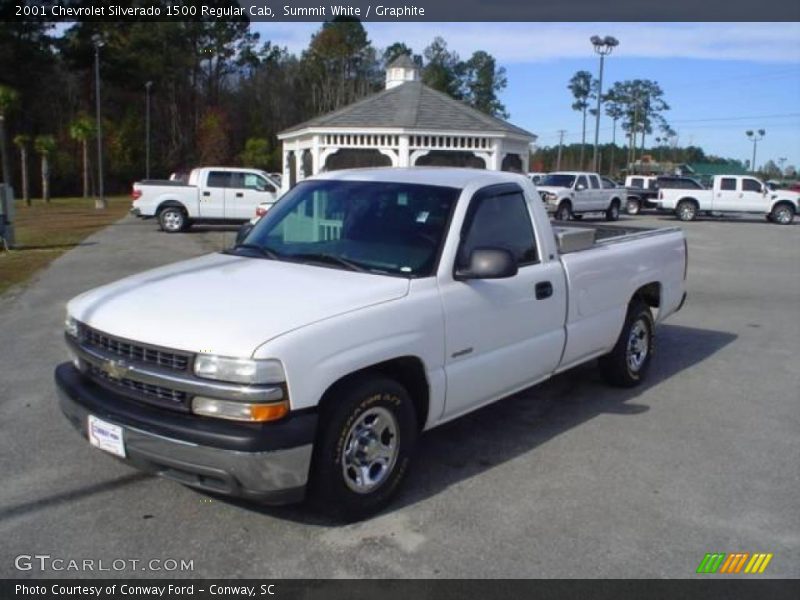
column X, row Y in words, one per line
column 116, row 369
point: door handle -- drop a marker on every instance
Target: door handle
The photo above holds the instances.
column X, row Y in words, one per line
column 239, row 195
column 544, row 289
column 206, row 194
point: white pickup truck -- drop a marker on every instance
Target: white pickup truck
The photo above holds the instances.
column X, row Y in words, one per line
column 211, row 195
column 366, row 307
column 732, row 194
column 571, row 194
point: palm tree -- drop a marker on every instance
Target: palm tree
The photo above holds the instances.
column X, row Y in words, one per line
column 45, row 145
column 581, row 87
column 8, row 99
column 82, row 129
column 22, row 142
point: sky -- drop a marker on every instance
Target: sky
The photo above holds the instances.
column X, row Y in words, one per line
column 720, row 79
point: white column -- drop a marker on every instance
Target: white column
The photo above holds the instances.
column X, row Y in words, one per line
column 285, row 171
column 298, row 162
column 315, row 155
column 403, row 152
column 415, row 156
column 497, row 157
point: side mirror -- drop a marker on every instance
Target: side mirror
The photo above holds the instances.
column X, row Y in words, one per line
column 243, row 232
column 580, row 187
column 269, row 189
column 488, row 263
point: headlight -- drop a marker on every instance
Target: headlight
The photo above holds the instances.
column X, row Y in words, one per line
column 239, row 370
column 71, row 327
column 240, row 411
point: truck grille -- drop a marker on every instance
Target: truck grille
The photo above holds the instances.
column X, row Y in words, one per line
column 144, row 391
column 133, row 351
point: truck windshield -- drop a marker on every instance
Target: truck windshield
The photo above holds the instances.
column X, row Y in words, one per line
column 383, row 227
column 558, row 180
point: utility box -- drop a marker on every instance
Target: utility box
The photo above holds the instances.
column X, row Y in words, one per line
column 573, row 239
column 7, row 214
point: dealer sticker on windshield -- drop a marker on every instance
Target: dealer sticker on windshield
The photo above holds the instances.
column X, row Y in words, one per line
column 106, row 436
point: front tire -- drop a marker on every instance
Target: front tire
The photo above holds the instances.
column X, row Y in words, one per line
column 612, row 214
column 365, row 447
column 686, row 210
column 628, row 362
column 782, row 214
column 173, row 219
column 564, row 212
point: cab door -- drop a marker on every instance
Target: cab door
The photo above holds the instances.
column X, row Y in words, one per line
column 598, row 194
column 247, row 191
column 726, row 196
column 752, row 196
column 213, row 195
column 500, row 334
column 582, row 195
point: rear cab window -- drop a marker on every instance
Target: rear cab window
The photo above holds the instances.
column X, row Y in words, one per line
column 219, row 179
column 727, row 184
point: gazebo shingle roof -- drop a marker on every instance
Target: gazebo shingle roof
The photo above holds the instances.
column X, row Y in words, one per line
column 412, row 105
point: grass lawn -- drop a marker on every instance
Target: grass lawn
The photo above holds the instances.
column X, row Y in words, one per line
column 45, row 231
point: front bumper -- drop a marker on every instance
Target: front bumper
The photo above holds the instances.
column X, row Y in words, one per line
column 267, row 463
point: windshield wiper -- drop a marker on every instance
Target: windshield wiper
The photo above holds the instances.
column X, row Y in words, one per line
column 330, row 258
column 261, row 249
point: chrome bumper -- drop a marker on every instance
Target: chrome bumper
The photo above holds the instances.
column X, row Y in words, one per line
column 276, row 476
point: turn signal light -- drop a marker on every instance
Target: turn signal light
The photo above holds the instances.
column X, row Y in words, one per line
column 240, row 411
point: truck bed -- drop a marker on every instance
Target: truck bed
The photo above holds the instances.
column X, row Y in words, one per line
column 577, row 237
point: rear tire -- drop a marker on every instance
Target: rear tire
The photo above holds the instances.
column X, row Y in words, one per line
column 564, row 212
column 686, row 210
column 782, row 214
column 173, row 219
column 612, row 214
column 364, row 448
column 628, row 362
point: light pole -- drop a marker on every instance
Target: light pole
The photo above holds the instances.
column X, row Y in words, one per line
column 98, row 42
column 603, row 46
column 754, row 137
column 147, row 87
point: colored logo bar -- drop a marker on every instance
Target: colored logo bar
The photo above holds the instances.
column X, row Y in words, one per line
column 720, row 562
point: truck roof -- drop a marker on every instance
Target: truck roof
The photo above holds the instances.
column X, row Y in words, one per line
column 443, row 176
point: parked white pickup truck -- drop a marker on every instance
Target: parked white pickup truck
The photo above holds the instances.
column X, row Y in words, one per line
column 570, row 194
column 365, row 307
column 732, row 194
column 211, row 194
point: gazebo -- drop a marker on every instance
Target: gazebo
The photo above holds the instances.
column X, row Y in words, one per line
column 404, row 125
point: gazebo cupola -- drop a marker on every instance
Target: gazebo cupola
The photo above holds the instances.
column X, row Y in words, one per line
column 400, row 70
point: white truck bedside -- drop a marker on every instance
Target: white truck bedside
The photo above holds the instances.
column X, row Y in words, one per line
column 365, row 307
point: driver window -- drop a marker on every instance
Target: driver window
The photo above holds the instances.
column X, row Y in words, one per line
column 499, row 221
column 581, row 182
column 751, row 185
column 254, row 182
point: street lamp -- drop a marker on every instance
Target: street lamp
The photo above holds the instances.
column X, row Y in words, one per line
column 147, row 87
column 98, row 42
column 754, row 137
column 603, row 46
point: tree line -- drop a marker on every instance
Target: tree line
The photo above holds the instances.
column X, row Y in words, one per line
column 219, row 94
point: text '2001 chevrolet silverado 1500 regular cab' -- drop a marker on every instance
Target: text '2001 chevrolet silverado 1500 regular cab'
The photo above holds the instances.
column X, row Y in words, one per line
column 365, row 307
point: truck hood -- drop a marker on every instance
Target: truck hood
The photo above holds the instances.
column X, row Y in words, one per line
column 228, row 305
column 550, row 189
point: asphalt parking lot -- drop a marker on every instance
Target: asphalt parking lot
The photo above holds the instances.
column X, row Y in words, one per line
column 567, row 479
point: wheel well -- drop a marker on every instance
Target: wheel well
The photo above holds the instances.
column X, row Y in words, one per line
column 170, row 204
column 650, row 294
column 616, row 201
column 688, row 199
column 784, row 203
column 408, row 371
